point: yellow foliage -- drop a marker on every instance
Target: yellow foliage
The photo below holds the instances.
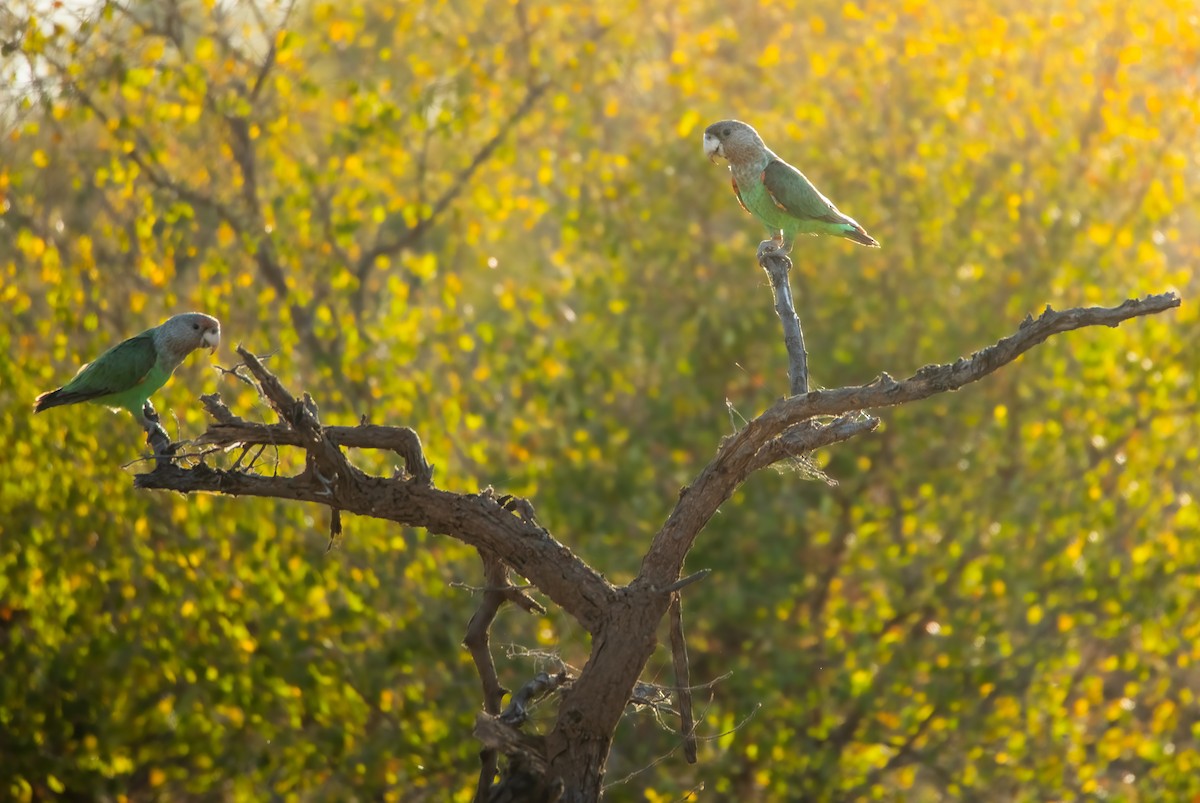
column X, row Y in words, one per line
column 561, row 299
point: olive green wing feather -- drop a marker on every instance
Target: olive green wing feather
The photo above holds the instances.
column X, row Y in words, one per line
column 119, row 369
column 794, row 193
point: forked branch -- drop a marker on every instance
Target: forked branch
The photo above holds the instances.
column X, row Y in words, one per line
column 570, row 759
column 776, row 433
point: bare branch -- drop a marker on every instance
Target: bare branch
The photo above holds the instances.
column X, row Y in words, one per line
column 477, row 642
column 683, row 690
column 934, row 379
column 687, row 581
column 804, row 438
column 231, row 430
column 517, row 710
column 740, row 454
column 480, row 520
column 777, row 266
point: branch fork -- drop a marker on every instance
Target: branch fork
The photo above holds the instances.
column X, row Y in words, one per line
column 568, row 761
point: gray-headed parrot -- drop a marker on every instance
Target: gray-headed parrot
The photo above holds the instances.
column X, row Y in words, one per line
column 125, row 376
column 773, row 191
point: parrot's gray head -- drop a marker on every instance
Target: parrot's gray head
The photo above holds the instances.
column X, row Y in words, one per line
column 732, row 140
column 184, row 333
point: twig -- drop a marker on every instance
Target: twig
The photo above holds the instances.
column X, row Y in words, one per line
column 231, row 430
column 477, row 643
column 660, row 759
column 806, row 437
column 517, row 710
column 687, row 581
column 175, row 456
column 683, row 691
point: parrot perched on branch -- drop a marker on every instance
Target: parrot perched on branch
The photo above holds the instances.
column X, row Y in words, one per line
column 127, row 374
column 773, row 191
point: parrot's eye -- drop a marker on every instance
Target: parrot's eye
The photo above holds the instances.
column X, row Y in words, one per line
column 195, row 327
column 724, row 132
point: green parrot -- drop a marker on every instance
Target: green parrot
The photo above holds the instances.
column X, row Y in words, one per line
column 127, row 374
column 773, row 191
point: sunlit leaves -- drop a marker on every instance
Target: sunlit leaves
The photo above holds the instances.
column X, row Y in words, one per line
column 995, row 597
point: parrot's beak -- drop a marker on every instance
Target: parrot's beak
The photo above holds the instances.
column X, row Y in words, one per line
column 712, row 147
column 212, row 339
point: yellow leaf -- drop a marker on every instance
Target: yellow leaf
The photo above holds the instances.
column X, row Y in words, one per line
column 818, row 64
column 341, row 32
column 1142, row 553
column 687, row 123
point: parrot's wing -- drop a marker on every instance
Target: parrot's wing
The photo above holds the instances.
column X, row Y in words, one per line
column 120, row 368
column 737, row 192
column 795, row 194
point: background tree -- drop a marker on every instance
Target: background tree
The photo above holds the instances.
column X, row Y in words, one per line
column 497, row 228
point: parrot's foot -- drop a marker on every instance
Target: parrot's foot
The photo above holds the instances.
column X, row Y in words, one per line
column 156, row 437
column 159, row 440
column 773, row 248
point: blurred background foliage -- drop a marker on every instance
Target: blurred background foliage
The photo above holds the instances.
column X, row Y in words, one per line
column 492, row 221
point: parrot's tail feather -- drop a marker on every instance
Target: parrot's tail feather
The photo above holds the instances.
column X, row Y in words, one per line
column 55, row 398
column 859, row 235
column 46, row 401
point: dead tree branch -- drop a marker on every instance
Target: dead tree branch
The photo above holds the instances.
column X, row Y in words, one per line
column 777, row 267
column 568, row 762
column 477, row 641
column 683, row 689
column 476, row 519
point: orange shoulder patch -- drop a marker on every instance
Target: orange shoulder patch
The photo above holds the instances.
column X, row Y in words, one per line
column 738, row 193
